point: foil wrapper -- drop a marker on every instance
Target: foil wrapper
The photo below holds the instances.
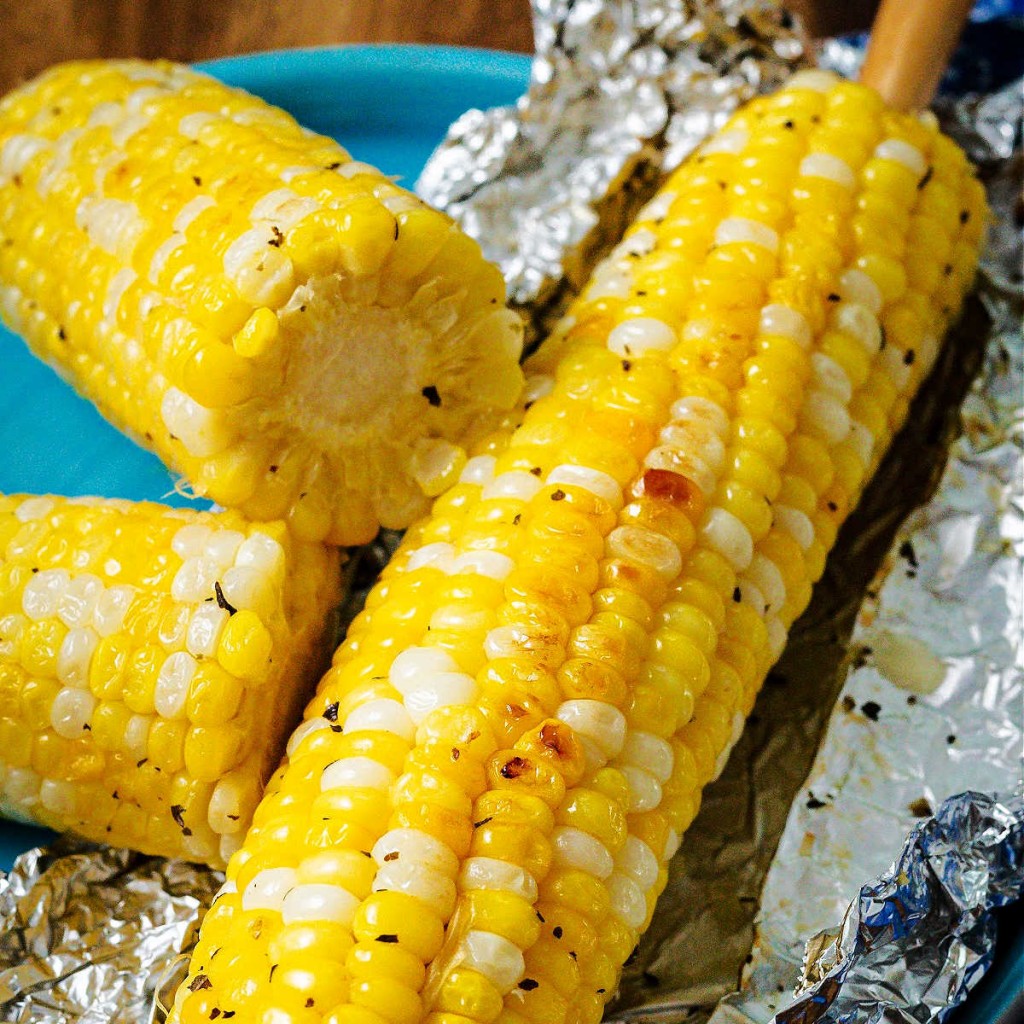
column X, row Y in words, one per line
column 932, row 907
column 620, row 93
column 930, row 699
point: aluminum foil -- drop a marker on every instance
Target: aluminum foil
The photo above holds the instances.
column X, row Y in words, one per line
column 933, row 906
column 610, row 113
column 620, row 93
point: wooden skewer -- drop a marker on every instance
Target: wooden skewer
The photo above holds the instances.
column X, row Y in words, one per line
column 911, row 44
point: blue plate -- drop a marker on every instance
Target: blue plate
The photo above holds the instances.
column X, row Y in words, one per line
column 389, row 106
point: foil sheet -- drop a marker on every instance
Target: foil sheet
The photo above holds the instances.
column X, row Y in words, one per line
column 708, row 932
column 620, row 93
column 932, row 907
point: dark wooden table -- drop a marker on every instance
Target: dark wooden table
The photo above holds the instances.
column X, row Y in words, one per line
column 37, row 33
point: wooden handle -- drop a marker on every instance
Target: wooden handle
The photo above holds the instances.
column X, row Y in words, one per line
column 910, row 46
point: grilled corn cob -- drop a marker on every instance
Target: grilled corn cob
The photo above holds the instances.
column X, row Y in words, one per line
column 152, row 661
column 283, row 325
column 474, row 821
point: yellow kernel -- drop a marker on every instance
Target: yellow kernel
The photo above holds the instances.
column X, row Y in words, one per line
column 245, row 646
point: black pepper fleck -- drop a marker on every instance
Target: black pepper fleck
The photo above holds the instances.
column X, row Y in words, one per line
column 430, row 393
column 871, row 710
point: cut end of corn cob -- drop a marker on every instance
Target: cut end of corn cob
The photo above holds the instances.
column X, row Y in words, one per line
column 152, row 661
column 560, row 658
column 286, row 327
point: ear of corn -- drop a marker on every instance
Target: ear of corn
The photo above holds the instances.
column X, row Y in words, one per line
column 287, row 328
column 475, row 819
column 151, row 661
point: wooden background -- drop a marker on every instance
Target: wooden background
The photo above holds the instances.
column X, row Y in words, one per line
column 37, row 33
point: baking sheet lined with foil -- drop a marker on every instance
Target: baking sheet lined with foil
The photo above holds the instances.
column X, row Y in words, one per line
column 886, row 761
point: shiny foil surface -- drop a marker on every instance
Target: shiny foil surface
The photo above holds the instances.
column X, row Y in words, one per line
column 620, row 93
column 929, row 701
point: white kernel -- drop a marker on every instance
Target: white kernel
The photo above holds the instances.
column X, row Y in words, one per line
column 650, row 752
column 597, row 721
column 927, row 350
column 764, row 573
column 438, row 555
column 268, row 889
column 732, row 141
column 696, row 437
column 492, row 564
column 627, row 900
column 862, row 440
column 634, row 337
column 417, row 847
column 414, row 663
column 205, row 628
column 202, row 431
column 284, row 208
column 896, row 369
column 727, row 535
column 831, row 377
column 856, row 286
column 795, row 523
column 42, row 593
column 538, row 385
column 112, row 224
column 136, row 734
column 902, row 152
column 672, row 843
column 353, row 167
column 435, row 690
column 190, row 211
column 190, row 541
column 289, row 174
column 128, row 126
column 637, row 860
column 742, row 229
column 317, row 902
column 433, row 890
column 776, row 636
column 304, row 729
column 33, row 508
column 222, row 547
column 658, row 207
column 119, row 284
column 192, row 124
column 194, row 581
column 495, row 957
column 57, row 797
column 497, row 875
column 382, row 715
column 644, row 789
column 574, row 848
column 643, row 545
column 261, row 272
column 516, row 483
column 162, row 253
column 75, row 656
column 694, row 409
column 258, row 551
column 21, row 792
column 787, row 323
column 856, row 319
column 71, row 712
column 610, row 282
column 598, row 483
column 814, row 79
column 750, row 595
column 825, row 416
column 478, row 470
column 171, row 691
column 245, row 586
column 60, row 160
column 18, row 151
column 825, row 165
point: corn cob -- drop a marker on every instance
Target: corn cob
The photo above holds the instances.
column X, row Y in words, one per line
column 283, row 325
column 474, row 821
column 152, row 662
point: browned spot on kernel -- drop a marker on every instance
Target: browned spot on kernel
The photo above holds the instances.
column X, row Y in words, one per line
column 551, row 737
column 664, row 485
column 514, row 767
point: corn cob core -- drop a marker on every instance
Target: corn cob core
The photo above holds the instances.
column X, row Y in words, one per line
column 475, row 819
column 152, row 661
column 283, row 325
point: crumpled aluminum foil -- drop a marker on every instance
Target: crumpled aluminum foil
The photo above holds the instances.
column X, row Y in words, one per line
column 954, row 869
column 970, row 546
column 84, row 925
column 620, row 93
